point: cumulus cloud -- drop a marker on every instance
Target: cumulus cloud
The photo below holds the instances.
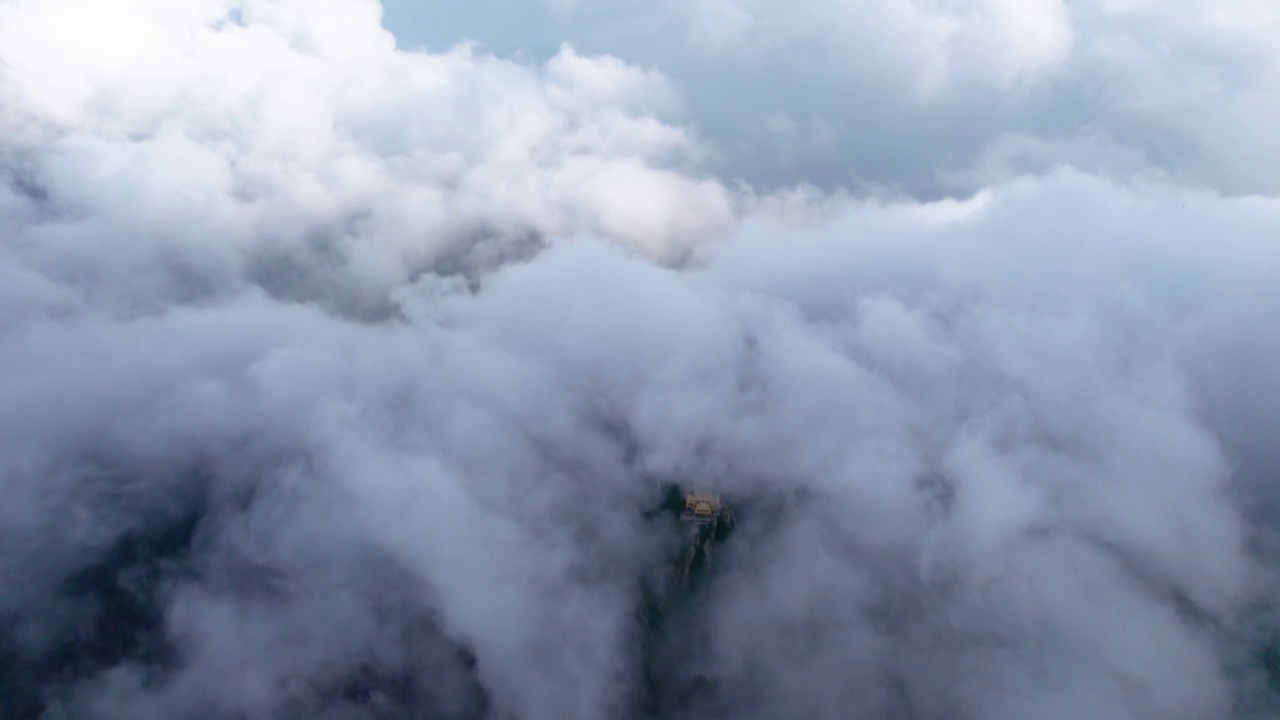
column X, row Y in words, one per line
column 915, row 95
column 302, row 151
column 338, row 379
column 1008, row 472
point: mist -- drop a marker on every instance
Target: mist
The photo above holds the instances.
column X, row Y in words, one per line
column 339, row 380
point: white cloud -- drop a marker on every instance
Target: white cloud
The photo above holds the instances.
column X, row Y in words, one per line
column 231, row 140
column 909, row 89
column 1011, row 455
column 1034, row 368
column 928, row 45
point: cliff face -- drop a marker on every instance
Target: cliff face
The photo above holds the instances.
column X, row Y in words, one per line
column 673, row 617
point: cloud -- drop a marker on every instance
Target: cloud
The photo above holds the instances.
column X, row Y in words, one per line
column 916, row 95
column 1010, row 466
column 301, row 151
column 932, row 46
column 337, row 380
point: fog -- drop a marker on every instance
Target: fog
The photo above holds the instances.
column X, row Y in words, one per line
column 338, row 378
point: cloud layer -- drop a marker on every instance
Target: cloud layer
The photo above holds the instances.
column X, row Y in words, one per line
column 337, row 378
column 301, row 150
column 931, row 98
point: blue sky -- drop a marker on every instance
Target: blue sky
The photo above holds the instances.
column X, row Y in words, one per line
column 498, row 25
